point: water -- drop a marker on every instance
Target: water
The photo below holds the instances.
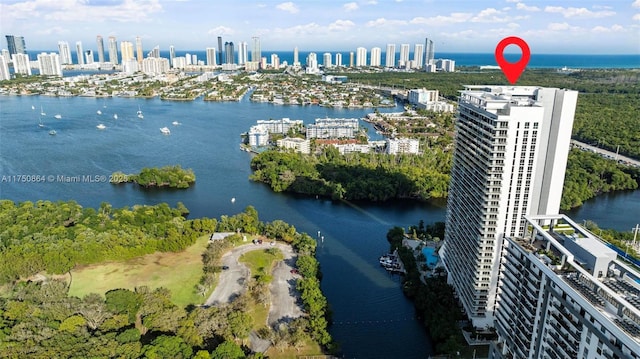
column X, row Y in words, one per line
column 372, row 317
column 617, row 210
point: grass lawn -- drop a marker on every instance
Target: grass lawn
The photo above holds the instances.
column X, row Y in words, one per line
column 261, row 262
column 291, row 353
column 179, row 272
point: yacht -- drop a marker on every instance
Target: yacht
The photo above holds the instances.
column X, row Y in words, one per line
column 175, row 123
column 101, row 127
column 115, row 116
column 42, row 113
column 165, row 131
column 99, row 112
column 52, row 132
column 140, row 115
column 58, row 116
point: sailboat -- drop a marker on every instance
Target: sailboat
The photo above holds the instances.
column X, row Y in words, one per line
column 140, row 115
column 33, row 107
column 42, row 113
column 115, row 116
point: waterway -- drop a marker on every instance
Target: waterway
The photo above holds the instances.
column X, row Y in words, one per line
column 372, row 319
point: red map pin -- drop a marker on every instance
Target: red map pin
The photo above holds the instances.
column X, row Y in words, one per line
column 512, row 70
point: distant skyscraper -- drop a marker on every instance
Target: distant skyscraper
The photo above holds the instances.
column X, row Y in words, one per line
column 256, row 52
column 511, row 149
column 211, row 56
column 404, row 55
column 229, row 52
column 16, row 45
column 49, row 64
column 100, row 44
column 351, row 59
column 296, row 58
column 338, row 59
column 418, row 56
column 126, row 51
column 243, row 53
column 172, row 55
column 429, row 51
column 113, row 50
column 88, row 57
column 326, row 59
column 155, row 52
column 361, row 57
column 4, row 68
column 79, row 53
column 275, row 61
column 21, row 64
column 312, row 61
column 220, row 58
column 390, row 58
column 139, row 53
column 64, row 52
column 376, row 57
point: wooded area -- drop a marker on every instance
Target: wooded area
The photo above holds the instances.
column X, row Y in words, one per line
column 167, row 176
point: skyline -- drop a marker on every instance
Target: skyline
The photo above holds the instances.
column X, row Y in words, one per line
column 587, row 27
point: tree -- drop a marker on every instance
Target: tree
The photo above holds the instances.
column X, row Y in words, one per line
column 94, row 310
column 228, row 350
column 240, row 324
column 167, row 347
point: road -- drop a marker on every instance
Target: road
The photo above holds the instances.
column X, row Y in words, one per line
column 284, row 297
column 606, row 153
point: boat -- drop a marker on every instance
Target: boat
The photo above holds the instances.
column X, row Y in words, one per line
column 101, row 127
column 115, row 116
column 58, row 116
column 175, row 123
column 99, row 112
column 139, row 113
column 52, row 132
column 42, row 113
column 33, row 107
column 165, row 131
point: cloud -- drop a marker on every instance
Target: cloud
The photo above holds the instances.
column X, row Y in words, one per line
column 579, row 12
column 52, row 30
column 341, row 25
column 288, row 6
column 492, row 15
column 522, row 6
column 636, row 17
column 636, row 3
column 384, row 22
column 603, row 29
column 221, row 30
column 440, row 20
column 562, row 26
column 350, row 6
column 82, row 10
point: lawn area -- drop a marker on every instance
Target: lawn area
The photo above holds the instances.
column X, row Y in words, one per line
column 310, row 349
column 261, row 262
column 179, row 272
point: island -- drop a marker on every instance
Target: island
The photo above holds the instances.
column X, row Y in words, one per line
column 167, row 176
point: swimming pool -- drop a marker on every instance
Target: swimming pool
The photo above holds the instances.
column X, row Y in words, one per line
column 431, row 256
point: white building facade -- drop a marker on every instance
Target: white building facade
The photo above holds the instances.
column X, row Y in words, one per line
column 49, row 64
column 258, row 136
column 296, row 144
column 403, row 145
column 281, row 126
column 510, row 157
column 333, row 128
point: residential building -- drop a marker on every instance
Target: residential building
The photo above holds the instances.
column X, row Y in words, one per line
column 126, row 51
column 258, row 136
column 49, row 64
column 351, row 59
column 446, row 65
column 16, row 45
column 64, row 52
column 172, row 54
column 113, row 50
column 243, row 53
column 418, row 56
column 338, row 59
column 155, row 52
column 403, row 145
column 296, row 59
column 220, row 57
column 299, row 145
column 417, row 96
column 229, row 52
column 80, row 53
column 361, row 57
column 347, row 148
column 312, row 63
column 376, row 56
column 21, row 64
column 155, row 65
column 326, row 60
column 100, row 44
column 390, row 56
column 510, row 157
column 4, row 68
column 256, row 52
column 281, row 126
column 404, row 55
column 564, row 294
column 333, row 128
column 275, row 61
column 211, row 56
column 139, row 53
column 88, row 57
column 429, row 51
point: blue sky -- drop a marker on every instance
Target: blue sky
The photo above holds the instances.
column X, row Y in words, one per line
column 560, row 27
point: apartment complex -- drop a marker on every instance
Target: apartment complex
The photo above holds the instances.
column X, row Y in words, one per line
column 281, row 126
column 512, row 144
column 564, row 294
column 333, row 128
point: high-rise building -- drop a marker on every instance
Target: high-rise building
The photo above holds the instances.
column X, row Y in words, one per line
column 155, row 52
column 563, row 293
column 243, row 53
column 220, row 58
column 4, row 68
column 64, row 52
column 404, row 55
column 418, row 56
column 296, row 58
column 510, row 157
column 339, row 59
column 229, row 52
column 100, row 43
column 361, row 57
column 376, row 57
column 390, row 58
column 113, row 50
column 126, row 51
column 49, row 64
column 275, row 61
column 351, row 59
column 16, row 45
column 79, row 53
column 21, row 64
column 139, row 54
column 312, row 61
column 88, row 57
column 326, row 59
column 256, row 52
column 172, row 55
column 429, row 51
column 211, row 56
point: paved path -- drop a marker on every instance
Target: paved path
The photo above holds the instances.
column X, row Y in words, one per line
column 612, row 155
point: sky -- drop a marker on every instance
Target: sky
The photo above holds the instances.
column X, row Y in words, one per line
column 549, row 27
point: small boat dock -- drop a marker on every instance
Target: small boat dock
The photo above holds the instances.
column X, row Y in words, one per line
column 392, row 263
